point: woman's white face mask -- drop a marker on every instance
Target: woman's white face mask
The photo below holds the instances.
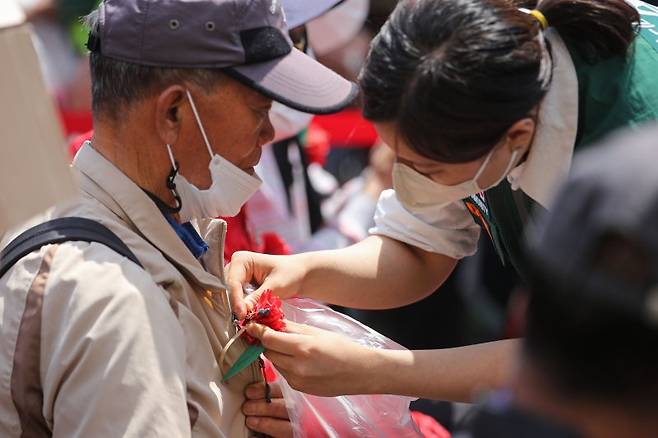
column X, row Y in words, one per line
column 416, row 191
column 230, row 189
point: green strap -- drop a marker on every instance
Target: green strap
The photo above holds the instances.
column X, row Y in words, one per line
column 249, row 356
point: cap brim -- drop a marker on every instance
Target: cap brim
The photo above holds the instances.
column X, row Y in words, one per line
column 298, row 81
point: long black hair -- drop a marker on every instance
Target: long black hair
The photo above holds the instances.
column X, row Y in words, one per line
column 455, row 75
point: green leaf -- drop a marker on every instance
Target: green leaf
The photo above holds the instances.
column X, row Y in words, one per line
column 250, row 355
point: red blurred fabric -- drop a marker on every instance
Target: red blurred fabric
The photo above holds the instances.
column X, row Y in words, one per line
column 317, row 144
column 347, row 129
column 429, row 427
column 76, row 142
column 75, row 122
column 239, row 238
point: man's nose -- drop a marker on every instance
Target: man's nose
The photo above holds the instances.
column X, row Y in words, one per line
column 267, row 130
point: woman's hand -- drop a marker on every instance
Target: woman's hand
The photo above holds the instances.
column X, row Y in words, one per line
column 319, row 362
column 283, row 275
column 268, row 418
column 323, row 363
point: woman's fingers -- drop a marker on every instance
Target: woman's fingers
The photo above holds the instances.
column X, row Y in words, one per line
column 303, row 329
column 296, row 328
column 251, row 299
column 287, row 343
column 282, row 362
column 257, row 269
column 236, row 295
column 239, row 272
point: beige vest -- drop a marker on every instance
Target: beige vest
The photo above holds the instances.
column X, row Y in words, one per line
column 117, row 350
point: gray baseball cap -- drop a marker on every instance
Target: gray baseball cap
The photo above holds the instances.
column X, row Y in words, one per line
column 248, row 39
column 601, row 236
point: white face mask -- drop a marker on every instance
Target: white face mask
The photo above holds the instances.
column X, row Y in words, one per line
column 231, row 186
column 287, row 122
column 417, row 192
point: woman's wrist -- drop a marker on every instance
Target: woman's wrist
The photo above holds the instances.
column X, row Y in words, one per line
column 301, row 264
column 384, row 371
column 309, row 263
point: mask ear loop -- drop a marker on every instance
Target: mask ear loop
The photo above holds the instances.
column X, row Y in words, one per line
column 482, row 168
column 486, row 163
column 198, row 122
column 171, row 185
column 511, row 163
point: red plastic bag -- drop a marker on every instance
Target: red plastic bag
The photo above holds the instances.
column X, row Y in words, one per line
column 362, row 416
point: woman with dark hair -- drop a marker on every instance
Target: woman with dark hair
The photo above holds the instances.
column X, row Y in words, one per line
column 484, row 103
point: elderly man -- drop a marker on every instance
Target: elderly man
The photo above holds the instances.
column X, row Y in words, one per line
column 125, row 339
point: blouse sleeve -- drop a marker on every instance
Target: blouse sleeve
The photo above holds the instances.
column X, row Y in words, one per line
column 449, row 230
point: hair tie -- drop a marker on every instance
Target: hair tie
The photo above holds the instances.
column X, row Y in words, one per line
column 538, row 15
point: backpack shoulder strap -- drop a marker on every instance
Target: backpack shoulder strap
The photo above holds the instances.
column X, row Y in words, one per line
column 69, row 229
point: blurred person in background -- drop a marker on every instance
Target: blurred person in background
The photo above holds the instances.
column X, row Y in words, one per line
column 56, row 51
column 300, row 206
column 587, row 367
column 484, row 105
column 589, row 357
column 33, row 166
column 61, row 36
column 341, row 40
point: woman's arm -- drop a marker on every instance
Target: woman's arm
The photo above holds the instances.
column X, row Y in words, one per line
column 324, row 363
column 455, row 374
column 377, row 273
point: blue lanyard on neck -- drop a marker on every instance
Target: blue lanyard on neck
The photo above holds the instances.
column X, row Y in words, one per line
column 195, row 243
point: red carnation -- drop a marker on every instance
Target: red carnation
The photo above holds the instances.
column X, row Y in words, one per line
column 267, row 311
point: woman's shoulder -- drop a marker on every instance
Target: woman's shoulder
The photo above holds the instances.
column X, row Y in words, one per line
column 616, row 92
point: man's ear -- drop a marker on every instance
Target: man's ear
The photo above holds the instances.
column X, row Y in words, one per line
column 167, row 117
column 520, row 135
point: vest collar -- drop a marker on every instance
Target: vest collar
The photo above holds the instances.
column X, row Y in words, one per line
column 104, row 182
column 550, row 155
